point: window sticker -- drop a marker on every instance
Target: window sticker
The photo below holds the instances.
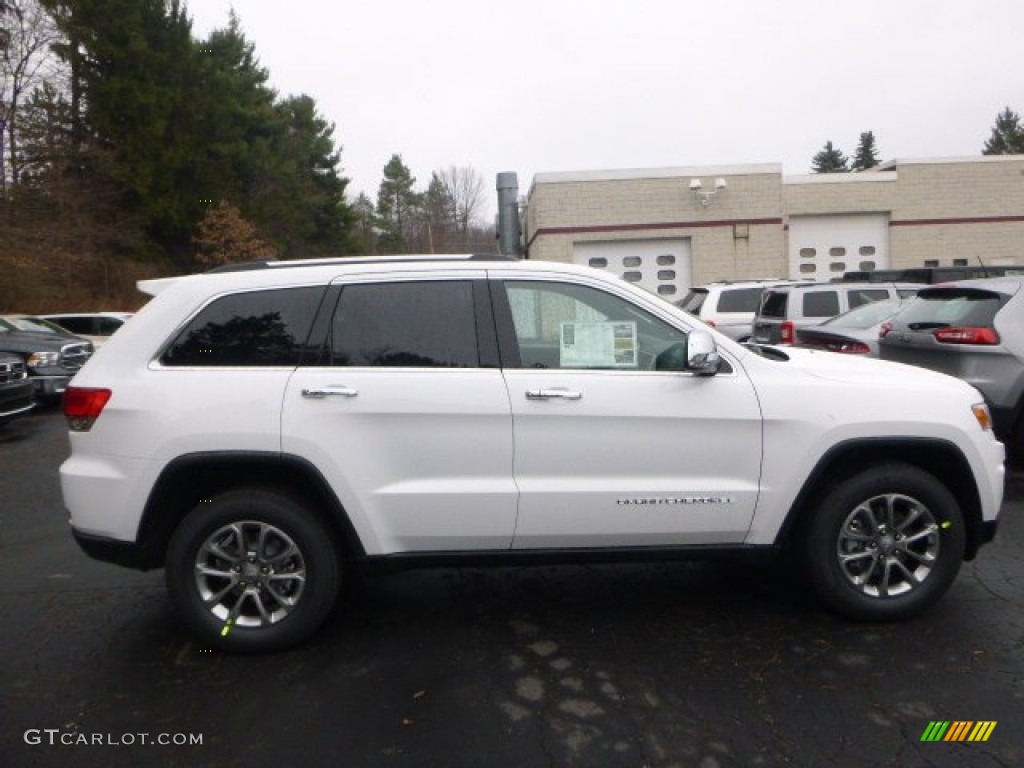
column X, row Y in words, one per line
column 598, row 345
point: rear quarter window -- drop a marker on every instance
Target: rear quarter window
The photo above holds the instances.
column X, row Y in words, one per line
column 255, row 328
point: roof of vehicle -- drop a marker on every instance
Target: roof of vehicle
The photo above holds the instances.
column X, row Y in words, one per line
column 844, row 285
column 118, row 315
column 1010, row 284
column 300, row 270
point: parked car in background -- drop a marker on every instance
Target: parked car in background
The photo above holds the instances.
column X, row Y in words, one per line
column 97, row 327
column 784, row 308
column 854, row 332
column 33, row 323
column 50, row 358
column 931, row 275
column 728, row 306
column 15, row 387
column 974, row 330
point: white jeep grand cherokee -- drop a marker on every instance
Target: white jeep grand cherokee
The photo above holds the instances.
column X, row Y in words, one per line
column 257, row 431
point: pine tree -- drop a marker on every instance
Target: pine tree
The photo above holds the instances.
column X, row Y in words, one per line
column 829, row 160
column 867, row 154
column 1007, row 135
column 397, row 207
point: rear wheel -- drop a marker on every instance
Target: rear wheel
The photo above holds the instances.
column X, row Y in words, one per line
column 884, row 544
column 252, row 570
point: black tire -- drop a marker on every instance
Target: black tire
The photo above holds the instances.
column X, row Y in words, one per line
column 252, row 570
column 899, row 564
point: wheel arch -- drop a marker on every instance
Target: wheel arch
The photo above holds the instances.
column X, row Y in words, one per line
column 188, row 479
column 940, row 458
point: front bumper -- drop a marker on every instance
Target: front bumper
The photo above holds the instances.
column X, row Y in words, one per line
column 49, row 387
column 15, row 400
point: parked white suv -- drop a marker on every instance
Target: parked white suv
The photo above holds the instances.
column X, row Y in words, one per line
column 258, row 432
column 728, row 306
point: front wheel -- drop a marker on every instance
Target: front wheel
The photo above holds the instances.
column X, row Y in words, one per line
column 884, row 544
column 252, row 570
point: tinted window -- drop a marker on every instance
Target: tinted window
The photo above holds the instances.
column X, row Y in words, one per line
column 821, row 303
column 78, row 325
column 258, row 328
column 774, row 304
column 739, row 300
column 866, row 296
column 107, row 325
column 428, row 324
column 694, row 300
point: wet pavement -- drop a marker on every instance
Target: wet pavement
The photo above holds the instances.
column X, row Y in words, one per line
column 699, row 664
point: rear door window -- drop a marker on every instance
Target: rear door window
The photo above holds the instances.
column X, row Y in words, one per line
column 414, row 324
column 821, row 303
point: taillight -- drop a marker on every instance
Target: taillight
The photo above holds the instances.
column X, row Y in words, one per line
column 848, row 347
column 786, row 332
column 83, row 405
column 966, row 336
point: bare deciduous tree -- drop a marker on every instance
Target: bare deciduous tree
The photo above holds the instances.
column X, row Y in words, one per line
column 464, row 187
column 27, row 61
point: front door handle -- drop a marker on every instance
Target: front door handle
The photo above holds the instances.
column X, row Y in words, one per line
column 549, row 394
column 322, row 392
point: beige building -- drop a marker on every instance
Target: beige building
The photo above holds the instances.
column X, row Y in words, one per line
column 669, row 228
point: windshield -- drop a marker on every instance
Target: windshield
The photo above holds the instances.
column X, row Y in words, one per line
column 866, row 315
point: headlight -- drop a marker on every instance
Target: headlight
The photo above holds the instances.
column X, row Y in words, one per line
column 981, row 413
column 43, row 359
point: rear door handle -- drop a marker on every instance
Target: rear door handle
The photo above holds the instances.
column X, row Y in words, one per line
column 549, row 394
column 322, row 392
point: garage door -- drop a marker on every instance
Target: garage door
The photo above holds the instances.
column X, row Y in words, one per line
column 661, row 266
column 823, row 247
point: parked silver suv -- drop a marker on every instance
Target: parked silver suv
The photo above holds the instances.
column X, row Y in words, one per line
column 974, row 330
column 785, row 308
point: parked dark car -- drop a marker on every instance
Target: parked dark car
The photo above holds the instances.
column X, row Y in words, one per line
column 974, row 330
column 15, row 387
column 50, row 358
column 852, row 333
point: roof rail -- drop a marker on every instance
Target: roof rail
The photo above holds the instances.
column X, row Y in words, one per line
column 244, row 266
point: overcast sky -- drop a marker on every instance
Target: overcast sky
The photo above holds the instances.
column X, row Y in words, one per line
column 536, row 86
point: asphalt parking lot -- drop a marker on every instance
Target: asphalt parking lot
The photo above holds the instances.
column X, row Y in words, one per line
column 698, row 664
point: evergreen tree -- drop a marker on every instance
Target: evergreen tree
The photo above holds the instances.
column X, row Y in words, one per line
column 364, row 232
column 1007, row 135
column 829, row 160
column 398, row 208
column 867, row 154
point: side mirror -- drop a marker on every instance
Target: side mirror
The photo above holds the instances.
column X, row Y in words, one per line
column 697, row 355
column 702, row 358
